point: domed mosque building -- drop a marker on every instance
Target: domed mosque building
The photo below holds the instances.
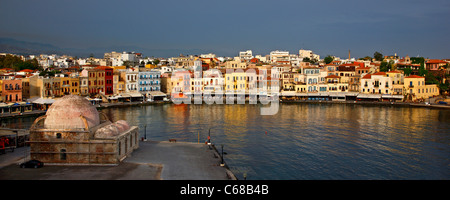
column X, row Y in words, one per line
column 74, row 132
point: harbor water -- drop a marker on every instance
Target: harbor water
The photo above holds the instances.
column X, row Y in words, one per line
column 304, row 141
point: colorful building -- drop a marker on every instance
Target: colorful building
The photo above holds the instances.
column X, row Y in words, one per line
column 416, row 89
column 12, row 90
column 106, row 77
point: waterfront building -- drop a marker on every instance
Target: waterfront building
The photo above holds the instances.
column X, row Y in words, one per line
column 70, row 85
column 213, row 81
column 287, row 81
column 166, row 83
column 149, row 80
column 96, row 81
column 131, row 80
column 377, row 83
column 107, row 80
column 84, row 87
column 45, row 87
column 12, row 90
column 416, row 89
column 73, row 132
column 25, row 88
column 181, row 83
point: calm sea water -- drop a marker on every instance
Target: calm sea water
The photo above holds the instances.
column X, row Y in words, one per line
column 306, row 141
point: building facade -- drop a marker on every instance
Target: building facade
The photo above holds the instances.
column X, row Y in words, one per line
column 73, row 132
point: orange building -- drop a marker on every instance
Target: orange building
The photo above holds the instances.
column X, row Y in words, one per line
column 12, row 90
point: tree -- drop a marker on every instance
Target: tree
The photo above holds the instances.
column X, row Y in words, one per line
column 378, row 56
column 366, row 58
column 407, row 71
column 386, row 66
column 16, row 63
column 328, row 59
column 307, row 59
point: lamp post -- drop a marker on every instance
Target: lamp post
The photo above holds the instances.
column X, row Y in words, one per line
column 222, row 163
column 145, row 132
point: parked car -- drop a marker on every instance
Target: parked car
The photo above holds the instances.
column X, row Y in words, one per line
column 32, row 164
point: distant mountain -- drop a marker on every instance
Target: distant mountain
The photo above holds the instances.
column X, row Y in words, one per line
column 9, row 45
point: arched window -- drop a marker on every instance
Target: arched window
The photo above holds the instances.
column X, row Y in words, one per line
column 58, row 135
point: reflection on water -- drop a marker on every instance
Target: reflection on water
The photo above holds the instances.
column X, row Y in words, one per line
column 306, row 141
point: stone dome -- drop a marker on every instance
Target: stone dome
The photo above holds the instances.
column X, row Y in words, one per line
column 65, row 113
column 122, row 125
column 108, row 131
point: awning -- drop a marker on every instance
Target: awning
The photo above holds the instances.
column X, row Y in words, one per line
column 388, row 96
column 135, row 94
column 369, row 96
column 43, row 101
column 352, row 94
column 157, row 94
column 337, row 94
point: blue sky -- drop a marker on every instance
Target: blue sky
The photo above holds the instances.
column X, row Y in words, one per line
column 328, row 27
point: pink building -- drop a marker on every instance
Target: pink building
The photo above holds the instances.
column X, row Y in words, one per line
column 181, row 83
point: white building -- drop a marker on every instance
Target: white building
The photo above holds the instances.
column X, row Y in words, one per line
column 149, row 80
column 277, row 56
column 246, row 55
column 131, row 81
column 308, row 54
column 129, row 56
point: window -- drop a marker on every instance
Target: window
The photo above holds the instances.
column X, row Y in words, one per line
column 63, row 155
column 58, row 135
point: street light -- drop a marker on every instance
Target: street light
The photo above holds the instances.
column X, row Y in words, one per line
column 222, row 163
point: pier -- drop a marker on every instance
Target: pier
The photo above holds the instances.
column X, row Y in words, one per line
column 153, row 160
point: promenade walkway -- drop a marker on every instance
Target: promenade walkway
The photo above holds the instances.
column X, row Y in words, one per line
column 151, row 161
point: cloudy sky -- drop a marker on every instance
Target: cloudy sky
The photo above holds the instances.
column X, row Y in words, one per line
column 225, row 27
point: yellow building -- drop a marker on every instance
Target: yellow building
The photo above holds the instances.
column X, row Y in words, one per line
column 25, row 88
column 300, row 87
column 235, row 64
column 240, row 81
column 70, row 85
column 416, row 89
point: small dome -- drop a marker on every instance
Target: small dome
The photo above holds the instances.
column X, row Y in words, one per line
column 122, row 125
column 108, row 131
column 65, row 113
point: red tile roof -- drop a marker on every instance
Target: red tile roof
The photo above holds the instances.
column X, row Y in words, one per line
column 26, row 70
column 435, row 61
column 367, row 76
column 103, row 67
column 415, row 76
column 332, row 76
column 380, row 73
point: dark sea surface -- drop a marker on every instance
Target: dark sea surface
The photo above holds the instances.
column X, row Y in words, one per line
column 305, row 141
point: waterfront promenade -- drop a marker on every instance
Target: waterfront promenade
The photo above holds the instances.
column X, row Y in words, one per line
column 151, row 161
